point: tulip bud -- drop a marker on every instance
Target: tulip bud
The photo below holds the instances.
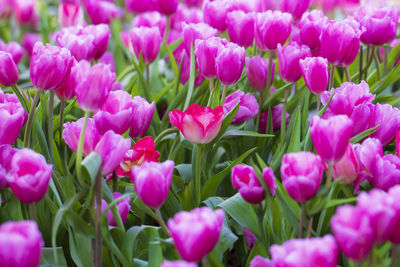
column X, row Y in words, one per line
column 311, row 25
column 123, row 208
column 150, row 19
column 195, row 233
column 394, row 194
column 101, row 33
column 187, row 15
column 72, row 131
column 206, row 52
column 77, row 42
column 347, row 168
column 146, row 41
column 49, row 66
column 241, row 27
column 152, row 182
column 15, row 50
column 102, row 11
column 331, row 136
column 115, row 114
column 353, row 232
column 276, row 115
column 215, row 14
column 200, row 125
column 66, row 91
column 257, row 71
column 289, row 57
column 248, row 106
column 94, row 86
column 30, row 176
column 251, row 239
column 29, row 40
column 26, row 12
column 388, row 119
column 295, row 7
column 140, row 6
column 70, row 14
column 194, row 3
column 244, row 178
column 8, row 69
column 12, row 118
column 269, row 179
column 111, row 148
column 386, row 172
column 229, row 63
column 178, row 264
column 6, row 155
column 143, row 114
column 315, row 73
column 272, row 28
column 194, row 31
column 21, row 244
column 167, row 7
column 301, row 174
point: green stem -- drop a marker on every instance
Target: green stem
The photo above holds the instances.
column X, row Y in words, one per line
column 347, row 72
column 32, row 211
column 360, row 65
column 148, row 76
column 301, row 219
column 224, row 95
column 385, row 61
column 318, row 102
column 283, row 119
column 115, row 182
column 98, row 245
column 309, row 228
column 331, row 77
column 260, row 217
column 197, row 181
column 329, row 178
column 261, row 98
column 357, row 263
column 394, row 256
column 370, row 57
column 161, row 221
column 31, row 115
column 80, row 147
column 50, row 130
column 375, row 52
column 269, row 74
column 211, row 86
column 21, row 96
column 167, row 28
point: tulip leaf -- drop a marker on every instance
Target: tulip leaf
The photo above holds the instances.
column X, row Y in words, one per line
column 294, row 145
column 90, row 167
column 47, row 258
column 338, row 202
column 155, row 250
column 242, row 212
column 236, row 132
column 289, row 207
column 363, row 135
column 80, row 247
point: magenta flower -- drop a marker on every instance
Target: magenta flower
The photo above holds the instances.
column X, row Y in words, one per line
column 178, row 264
column 29, row 40
column 101, row 33
column 269, row 179
column 194, row 31
column 21, row 244
column 215, row 14
column 15, row 50
column 206, row 52
column 388, row 119
column 49, row 66
column 289, row 58
column 241, row 27
column 276, row 115
column 394, row 194
column 77, row 42
column 146, row 41
column 315, row 73
column 195, row 233
column 6, row 154
column 398, row 142
column 311, row 25
column 348, row 167
column 301, row 174
column 248, row 106
column 143, row 114
column 229, row 63
column 187, row 15
column 386, row 172
column 66, row 91
column 194, row 3
column 152, row 182
column 150, row 19
column 295, row 7
column 257, row 71
column 167, row 7
column 12, row 118
column 70, row 14
column 115, row 114
column 30, row 176
column 123, row 208
column 8, row 70
column 272, row 28
column 26, row 12
column 259, row 261
column 200, row 125
column 244, row 178
column 102, row 11
column 140, row 5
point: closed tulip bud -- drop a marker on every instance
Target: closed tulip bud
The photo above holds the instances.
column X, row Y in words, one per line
column 178, row 264
column 101, row 33
column 295, row 7
column 200, row 125
column 6, row 154
column 15, row 50
column 115, row 114
column 123, row 208
column 102, row 11
column 215, row 14
column 241, row 27
column 30, row 176
column 152, row 182
column 8, row 69
column 94, row 85
column 289, row 57
column 311, row 25
column 353, row 232
column 251, row 239
column 77, row 42
column 380, row 24
column 331, row 136
column 150, row 19
column 272, row 28
column 206, row 52
column 388, row 119
column 70, row 14
column 21, row 244
column 26, row 12
column 340, row 42
column 347, row 168
column 276, row 115
column 257, row 71
column 72, row 131
column 111, row 148
column 315, row 73
column 193, row 3
column 244, row 178
column 167, row 7
column 49, row 66
column 369, row 153
column 196, row 232
column 185, row 14
column 29, row 40
column 248, row 106
column 146, row 41
column 66, row 91
column 143, row 114
column 301, row 174
column 194, row 31
column 140, row 6
column 229, row 63
column 386, row 172
column 12, row 118
column 269, row 179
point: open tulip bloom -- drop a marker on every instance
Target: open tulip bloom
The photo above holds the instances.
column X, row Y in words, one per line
column 182, row 133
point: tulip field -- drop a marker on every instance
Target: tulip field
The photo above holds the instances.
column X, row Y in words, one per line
column 209, row 133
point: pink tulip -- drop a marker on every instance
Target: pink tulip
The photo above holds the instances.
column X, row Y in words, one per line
column 311, row 25
column 77, row 42
column 276, row 115
column 331, row 136
column 368, row 153
column 140, row 5
column 101, row 33
column 259, row 261
column 229, row 63
column 315, row 73
column 272, row 28
column 102, row 11
column 257, row 71
column 301, row 174
column 152, row 182
column 269, row 179
column 167, row 7
column 206, row 52
column 66, row 91
column 150, row 19
column 394, row 194
column 386, row 172
column 380, row 24
column 108, row 59
column 111, row 148
column 289, row 57
column 146, row 41
column 49, row 66
column 6, row 154
column 26, row 12
column 187, row 15
column 122, row 206
column 15, row 50
column 29, row 40
column 241, row 27
column 115, row 114
column 195, row 233
column 194, row 31
column 143, row 114
column 248, row 106
column 244, row 178
column 251, row 239
column 353, row 232
column 347, row 168
column 12, row 118
column 194, row 3
column 21, row 244
column 8, row 69
column 215, row 14
column 178, row 264
column 200, row 125
column 94, row 86
column 30, row 176
column 398, row 143
column 388, row 119
column 72, row 131
column 70, row 14
column 295, row 7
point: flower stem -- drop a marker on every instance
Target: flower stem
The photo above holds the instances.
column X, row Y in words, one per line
column 50, row 129
column 260, row 217
column 21, row 96
column 197, row 181
column 269, row 74
column 284, row 109
column 224, row 95
column 329, row 178
column 375, row 52
column 115, row 182
column 80, row 147
column 332, row 77
column 347, row 72
column 98, row 245
column 360, row 74
column 385, row 61
column 301, row 219
column 32, row 211
column 148, row 75
column 394, row 256
column 318, row 102
column 211, row 86
column 28, row 128
column 161, row 221
column 309, row 228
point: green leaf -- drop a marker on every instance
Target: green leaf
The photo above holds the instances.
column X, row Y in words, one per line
column 90, row 167
column 236, row 132
column 338, row 202
column 155, row 250
column 47, row 257
column 294, row 145
column 363, row 135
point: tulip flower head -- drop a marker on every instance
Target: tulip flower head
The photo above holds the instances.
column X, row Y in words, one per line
column 123, row 208
column 6, row 154
column 311, row 25
column 241, row 27
column 244, row 178
column 144, row 112
column 194, row 31
column 229, row 63
column 295, row 7
column 206, row 52
column 70, row 14
column 12, row 118
column 289, row 58
column 248, row 106
column 146, row 42
column 315, row 73
column 8, row 69
column 257, row 71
